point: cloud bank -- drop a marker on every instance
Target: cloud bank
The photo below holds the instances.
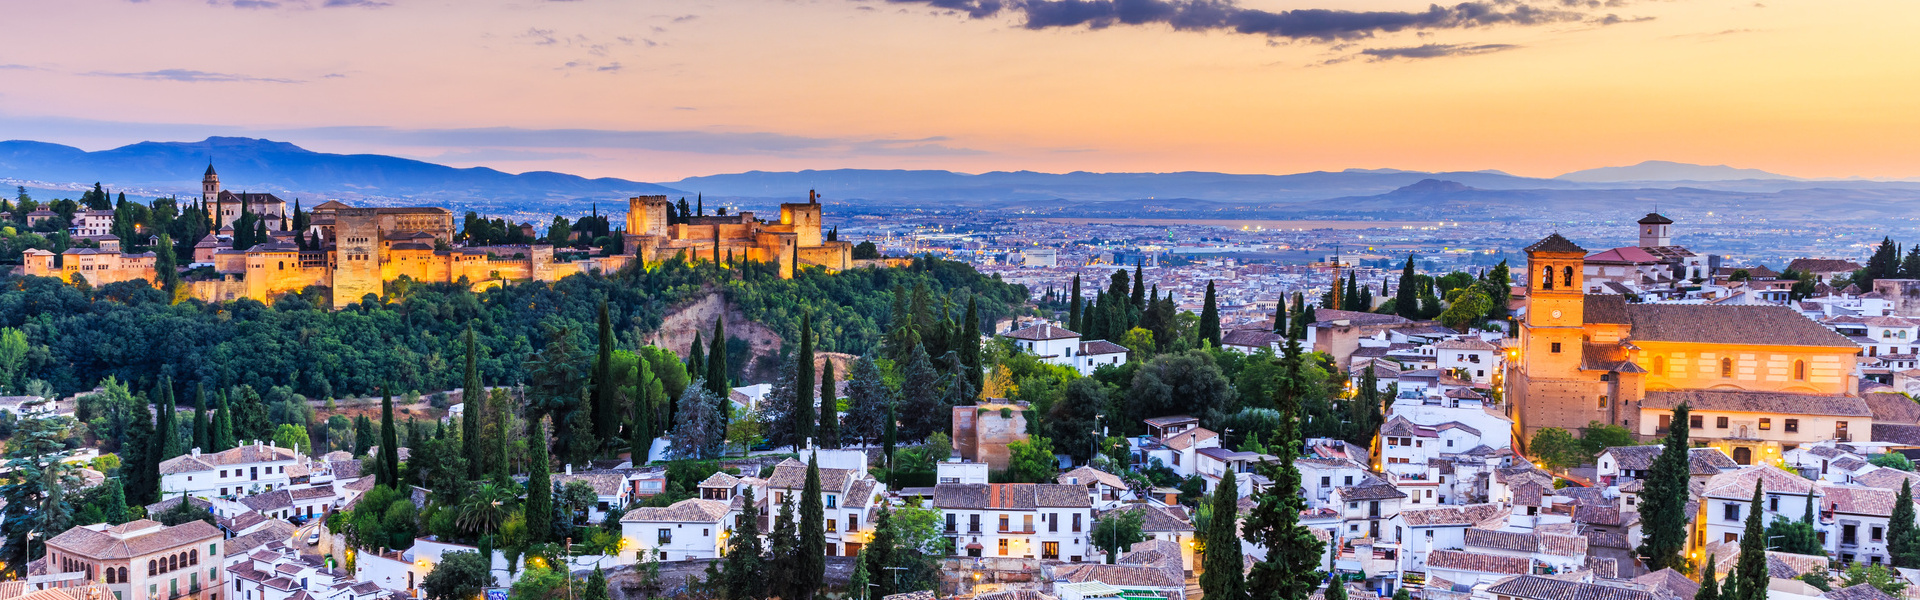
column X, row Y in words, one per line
column 1314, row 24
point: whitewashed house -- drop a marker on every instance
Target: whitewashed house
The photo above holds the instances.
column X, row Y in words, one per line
column 244, row 471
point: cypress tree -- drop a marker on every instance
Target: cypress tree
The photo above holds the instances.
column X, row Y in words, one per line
column 1406, row 302
column 744, row 563
column 1350, row 300
column 1279, row 316
column 141, row 465
column 1664, row 499
column 1210, row 319
column 1751, row 571
column 168, row 427
column 1139, row 288
column 606, row 417
column 718, row 372
column 1336, row 590
column 969, row 339
column 696, row 358
column 828, row 435
column 1073, row 308
column 1709, row 585
column 1901, row 536
column 811, row 564
column 222, row 434
column 539, row 486
column 1293, row 553
column 201, row 433
column 642, row 431
column 782, row 545
column 389, row 441
column 1223, row 577
column 880, row 554
column 803, row 384
column 473, row 410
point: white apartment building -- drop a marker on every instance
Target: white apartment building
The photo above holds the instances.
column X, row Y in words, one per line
column 1022, row 520
column 1470, row 358
column 847, row 491
column 236, row 473
column 1854, row 521
column 1406, row 447
column 1444, row 528
column 1366, row 509
column 1058, row 345
column 1728, row 496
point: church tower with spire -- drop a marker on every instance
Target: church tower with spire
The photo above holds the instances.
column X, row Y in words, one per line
column 210, row 189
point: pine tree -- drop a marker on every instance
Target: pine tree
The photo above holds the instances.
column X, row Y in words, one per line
column 811, row 565
column 1709, row 585
column 782, row 545
column 1073, row 308
column 744, row 561
column 803, row 408
column 859, row 581
column 539, row 486
column 1902, row 539
column 389, row 441
column 1663, row 500
column 1751, row 571
column 473, row 411
column 1336, row 589
column 719, row 373
column 1223, row 578
column 642, row 432
column 1210, row 319
column 201, row 434
column 827, row 434
column 1293, row 553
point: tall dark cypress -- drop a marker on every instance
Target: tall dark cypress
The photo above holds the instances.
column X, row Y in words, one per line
column 1751, row 570
column 222, row 433
column 641, row 443
column 141, row 463
column 389, row 441
column 169, row 428
column 827, row 435
column 1664, row 499
column 539, row 486
column 473, row 407
column 1280, row 316
column 745, row 576
column 1210, row 319
column 202, row 435
column 1406, row 300
column 696, row 358
column 1902, row 547
column 810, row 568
column 1224, row 576
column 1139, row 297
column 1350, row 300
column 968, row 336
column 606, row 417
column 719, row 373
column 803, row 383
column 1073, row 309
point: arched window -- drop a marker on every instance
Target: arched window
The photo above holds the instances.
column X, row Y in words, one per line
column 173, row 562
column 1660, row 365
column 1546, row 277
column 283, row 265
column 1726, row 368
column 111, row 576
column 1566, row 277
column 1799, row 370
column 193, row 557
column 123, row 574
column 153, row 568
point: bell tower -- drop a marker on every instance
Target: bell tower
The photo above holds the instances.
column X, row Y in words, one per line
column 1551, row 336
column 210, row 189
column 1655, row 231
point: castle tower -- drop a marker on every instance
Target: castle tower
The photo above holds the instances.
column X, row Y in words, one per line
column 1656, row 231
column 356, row 256
column 805, row 219
column 647, row 215
column 210, row 188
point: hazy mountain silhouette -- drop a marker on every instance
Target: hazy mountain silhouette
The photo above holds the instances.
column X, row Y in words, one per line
column 1660, row 170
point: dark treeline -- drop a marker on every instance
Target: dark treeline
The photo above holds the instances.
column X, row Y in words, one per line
column 78, row 335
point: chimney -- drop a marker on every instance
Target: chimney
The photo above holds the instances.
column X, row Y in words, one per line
column 196, row 451
column 569, row 468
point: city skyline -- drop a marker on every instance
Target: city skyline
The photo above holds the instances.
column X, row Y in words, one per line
column 666, row 90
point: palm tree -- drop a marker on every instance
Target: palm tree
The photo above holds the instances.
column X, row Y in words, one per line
column 486, row 509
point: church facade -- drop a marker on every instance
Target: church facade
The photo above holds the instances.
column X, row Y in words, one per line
column 1758, row 379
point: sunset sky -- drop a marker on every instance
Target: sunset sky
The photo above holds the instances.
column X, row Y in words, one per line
column 662, row 89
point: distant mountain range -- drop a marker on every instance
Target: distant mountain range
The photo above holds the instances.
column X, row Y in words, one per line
column 247, row 164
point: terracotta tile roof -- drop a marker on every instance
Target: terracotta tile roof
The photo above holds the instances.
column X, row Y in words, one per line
column 277, row 530
column 1849, row 463
column 1739, row 483
column 792, row 475
column 1671, row 582
column 1465, row 343
column 1886, row 478
column 1555, row 243
column 1041, row 332
column 1452, row 516
column 1822, row 265
column 1607, row 539
column 691, row 510
column 1898, row 433
column 962, row 495
column 248, row 454
column 1250, row 338
column 1371, row 489
column 1484, row 563
column 860, row 493
column 1759, row 402
column 133, row 539
column 1863, row 591
column 1791, row 566
column 1628, row 254
column 1155, row 519
column 1708, row 461
column 1121, row 575
column 1170, row 420
column 1098, row 347
column 1561, row 545
column 1730, row 324
column 1187, row 438
column 605, row 483
column 1087, row 476
column 1545, row 588
column 1858, row 500
column 1602, row 515
column 1605, row 309
column 270, row 501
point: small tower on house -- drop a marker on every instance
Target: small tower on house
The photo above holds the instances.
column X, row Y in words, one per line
column 1655, row 231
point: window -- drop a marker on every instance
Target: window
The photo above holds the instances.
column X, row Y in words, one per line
column 1326, row 481
column 1840, row 430
column 1696, row 422
column 1849, row 534
column 1726, row 368
column 1176, row 459
column 193, row 556
column 853, row 523
column 1546, row 277
column 1773, row 504
column 1005, row 521
column 1603, row 401
column 1720, row 422
column 1793, row 425
column 952, row 522
column 1076, row 522
column 223, row 473
column 1026, row 522
column 1799, row 370
column 973, row 523
column 1731, row 511
column 1666, row 421
column 832, row 501
column 1556, row 348
column 1766, row 424
column 1660, row 365
column 666, row 536
column 1875, row 533
column 1053, row 522
column 1566, row 276
column 152, row 568
column 1349, row 480
column 1731, row 538
column 833, row 525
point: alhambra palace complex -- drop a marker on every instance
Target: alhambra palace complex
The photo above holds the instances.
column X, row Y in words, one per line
column 362, row 248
